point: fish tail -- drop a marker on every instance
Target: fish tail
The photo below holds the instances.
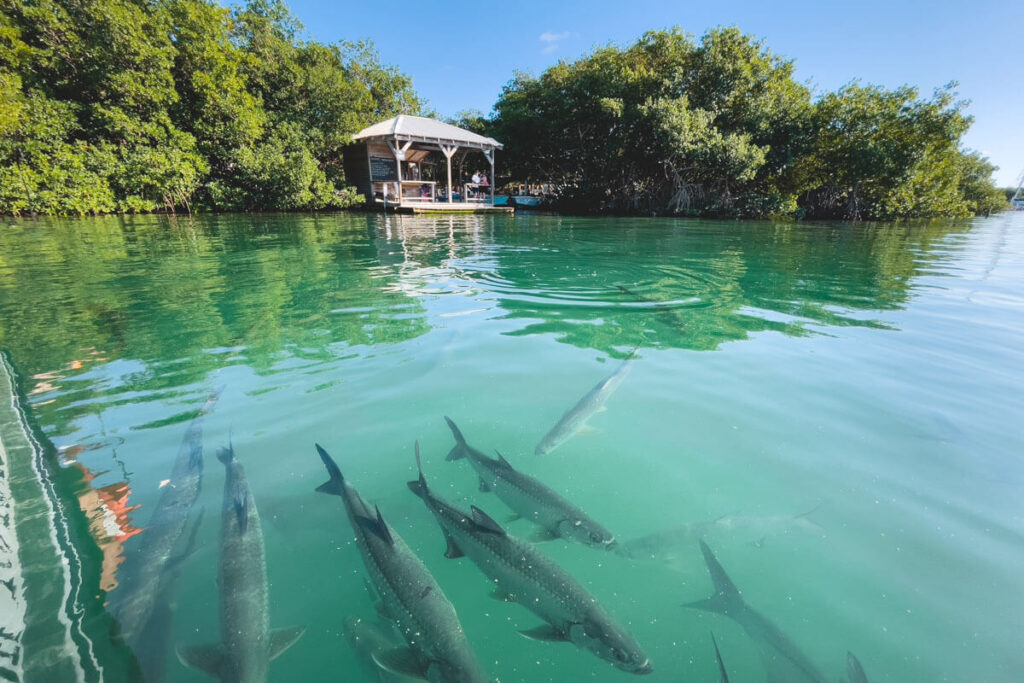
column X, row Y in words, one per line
column 458, row 452
column 419, row 486
column 336, row 484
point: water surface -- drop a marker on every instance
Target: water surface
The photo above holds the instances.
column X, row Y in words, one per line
column 835, row 408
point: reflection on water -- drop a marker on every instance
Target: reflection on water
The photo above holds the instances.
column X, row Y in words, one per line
column 847, row 449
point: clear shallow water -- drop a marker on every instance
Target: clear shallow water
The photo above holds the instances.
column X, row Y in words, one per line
column 868, row 376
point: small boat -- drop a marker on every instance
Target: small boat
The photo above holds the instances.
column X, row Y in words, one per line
column 521, row 201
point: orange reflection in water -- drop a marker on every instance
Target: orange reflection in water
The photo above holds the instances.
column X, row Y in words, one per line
column 108, row 512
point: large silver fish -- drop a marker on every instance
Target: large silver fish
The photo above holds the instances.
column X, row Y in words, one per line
column 676, row 543
column 437, row 647
column 155, row 643
column 783, row 660
column 247, row 644
column 523, row 574
column 576, row 417
column 530, row 498
column 143, row 577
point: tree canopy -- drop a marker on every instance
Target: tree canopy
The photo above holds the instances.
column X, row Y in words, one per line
column 719, row 126
column 142, row 105
column 163, row 105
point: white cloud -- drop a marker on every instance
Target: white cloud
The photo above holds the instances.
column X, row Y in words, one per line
column 551, row 40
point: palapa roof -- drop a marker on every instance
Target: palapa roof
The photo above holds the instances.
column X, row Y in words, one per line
column 421, row 129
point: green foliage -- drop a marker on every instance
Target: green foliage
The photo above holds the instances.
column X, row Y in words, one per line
column 667, row 124
column 719, row 127
column 132, row 105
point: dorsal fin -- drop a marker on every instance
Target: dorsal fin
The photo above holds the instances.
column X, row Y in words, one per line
column 419, row 467
column 503, row 462
column 482, row 520
column 721, row 665
column 387, row 531
column 419, row 486
column 377, row 527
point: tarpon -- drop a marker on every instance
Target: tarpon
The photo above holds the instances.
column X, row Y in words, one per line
column 665, row 545
column 142, row 577
column 530, row 498
column 676, row 542
column 577, row 416
column 155, row 643
column 437, row 647
column 247, row 644
column 783, row 660
column 368, row 637
column 524, row 575
column 663, row 309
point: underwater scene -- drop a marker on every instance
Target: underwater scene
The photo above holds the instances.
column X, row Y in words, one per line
column 362, row 447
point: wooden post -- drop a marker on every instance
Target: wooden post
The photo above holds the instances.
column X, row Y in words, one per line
column 489, row 153
column 449, row 152
column 399, row 153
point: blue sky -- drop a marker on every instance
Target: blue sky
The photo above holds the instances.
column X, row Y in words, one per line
column 460, row 54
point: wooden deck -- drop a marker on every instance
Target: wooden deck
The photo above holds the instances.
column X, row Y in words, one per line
column 443, row 207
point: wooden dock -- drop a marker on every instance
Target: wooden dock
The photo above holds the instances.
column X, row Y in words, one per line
column 442, row 207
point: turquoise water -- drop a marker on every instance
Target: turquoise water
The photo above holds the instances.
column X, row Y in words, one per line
column 835, row 409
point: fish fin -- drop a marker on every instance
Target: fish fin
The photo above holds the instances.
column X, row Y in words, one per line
column 514, row 517
column 727, row 597
column 283, row 638
column 854, row 671
column 484, row 486
column 241, row 505
column 336, row 483
column 419, row 487
column 226, row 453
column 718, row 656
column 723, row 584
column 503, row 462
column 377, row 527
column 546, row 633
column 402, row 661
column 584, row 430
column 543, row 536
column 416, row 486
column 205, row 658
column 453, row 551
column 459, row 451
column 716, row 603
column 330, row 486
column 482, row 520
